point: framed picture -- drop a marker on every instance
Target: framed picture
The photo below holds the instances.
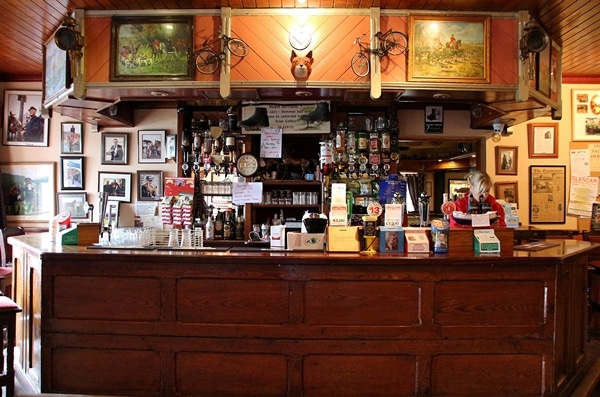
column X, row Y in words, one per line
column 150, row 185
column 151, row 146
column 507, row 191
column 547, row 195
column 586, row 115
column 555, row 72
column 458, row 44
column 116, row 184
column 506, row 160
column 457, row 188
column 73, row 203
column 23, row 121
column 71, row 173
column 114, row 148
column 57, row 73
column 71, row 136
column 29, row 191
column 171, row 147
column 151, row 48
column 542, row 140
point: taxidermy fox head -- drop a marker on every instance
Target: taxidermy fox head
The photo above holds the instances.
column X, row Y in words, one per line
column 301, row 65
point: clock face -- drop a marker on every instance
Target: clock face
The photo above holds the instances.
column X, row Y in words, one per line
column 247, row 165
column 300, row 38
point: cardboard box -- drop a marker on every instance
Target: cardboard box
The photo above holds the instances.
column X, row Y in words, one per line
column 416, row 240
column 343, row 239
column 485, row 242
column 68, row 236
column 306, row 241
column 391, row 239
column 512, row 221
column 460, row 240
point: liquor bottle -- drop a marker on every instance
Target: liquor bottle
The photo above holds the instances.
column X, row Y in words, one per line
column 227, row 225
column 340, row 139
column 363, row 142
column 351, row 143
column 373, row 142
column 219, row 226
column 386, row 143
column 209, row 230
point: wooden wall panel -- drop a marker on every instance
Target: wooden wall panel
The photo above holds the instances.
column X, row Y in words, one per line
column 504, row 51
column 206, row 28
column 394, row 68
column 97, row 49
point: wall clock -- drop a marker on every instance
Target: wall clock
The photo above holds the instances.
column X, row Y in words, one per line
column 300, row 38
column 247, row 165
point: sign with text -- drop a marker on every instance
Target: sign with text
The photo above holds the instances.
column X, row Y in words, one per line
column 270, row 143
column 291, row 117
column 246, row 192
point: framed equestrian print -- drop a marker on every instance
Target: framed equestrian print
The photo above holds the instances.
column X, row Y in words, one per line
column 457, row 50
column 150, row 185
column 151, row 48
column 23, row 121
column 71, row 138
column 151, row 146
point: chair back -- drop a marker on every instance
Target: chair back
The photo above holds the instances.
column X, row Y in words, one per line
column 5, row 248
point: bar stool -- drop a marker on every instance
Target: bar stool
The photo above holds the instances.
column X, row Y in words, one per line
column 8, row 322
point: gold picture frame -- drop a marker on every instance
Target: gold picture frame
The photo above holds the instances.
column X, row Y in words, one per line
column 507, row 160
column 542, row 139
column 507, row 191
column 436, row 42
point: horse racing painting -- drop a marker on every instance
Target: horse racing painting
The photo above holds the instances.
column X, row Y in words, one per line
column 151, row 48
column 23, row 121
column 449, row 49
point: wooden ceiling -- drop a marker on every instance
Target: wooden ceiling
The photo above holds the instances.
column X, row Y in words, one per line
column 574, row 24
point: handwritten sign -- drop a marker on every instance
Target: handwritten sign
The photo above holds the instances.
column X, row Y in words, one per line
column 270, row 143
column 292, row 117
column 246, row 192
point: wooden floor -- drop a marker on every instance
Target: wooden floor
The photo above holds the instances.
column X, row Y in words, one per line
column 589, row 387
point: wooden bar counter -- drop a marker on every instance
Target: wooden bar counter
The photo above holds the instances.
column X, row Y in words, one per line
column 258, row 323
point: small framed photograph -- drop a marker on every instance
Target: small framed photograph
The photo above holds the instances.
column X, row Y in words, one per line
column 29, row 191
column 23, row 121
column 171, row 148
column 507, row 191
column 114, row 148
column 73, row 203
column 586, row 115
column 71, row 173
column 151, row 146
column 506, row 160
column 457, row 188
column 71, row 136
column 542, row 140
column 150, row 185
column 116, row 184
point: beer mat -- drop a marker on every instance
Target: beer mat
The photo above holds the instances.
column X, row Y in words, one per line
column 536, row 245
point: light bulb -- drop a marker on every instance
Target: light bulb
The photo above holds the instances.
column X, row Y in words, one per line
column 496, row 137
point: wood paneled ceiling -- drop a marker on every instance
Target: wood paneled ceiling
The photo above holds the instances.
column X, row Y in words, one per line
column 575, row 24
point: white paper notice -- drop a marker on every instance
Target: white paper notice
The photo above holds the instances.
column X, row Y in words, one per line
column 582, row 195
column 338, row 193
column 393, row 214
column 143, row 208
column 270, row 143
column 580, row 162
column 246, row 192
column 478, row 220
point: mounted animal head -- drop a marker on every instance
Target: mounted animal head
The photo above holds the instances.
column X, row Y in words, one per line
column 301, row 65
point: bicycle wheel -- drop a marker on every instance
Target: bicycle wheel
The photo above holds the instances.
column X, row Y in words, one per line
column 237, row 47
column 395, row 43
column 207, row 61
column 360, row 64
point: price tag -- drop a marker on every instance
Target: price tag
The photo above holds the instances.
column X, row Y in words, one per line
column 394, row 214
column 374, row 209
column 338, row 215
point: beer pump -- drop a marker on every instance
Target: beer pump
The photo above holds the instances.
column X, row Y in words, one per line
column 186, row 149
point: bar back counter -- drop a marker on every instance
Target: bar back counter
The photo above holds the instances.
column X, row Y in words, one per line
column 258, row 323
